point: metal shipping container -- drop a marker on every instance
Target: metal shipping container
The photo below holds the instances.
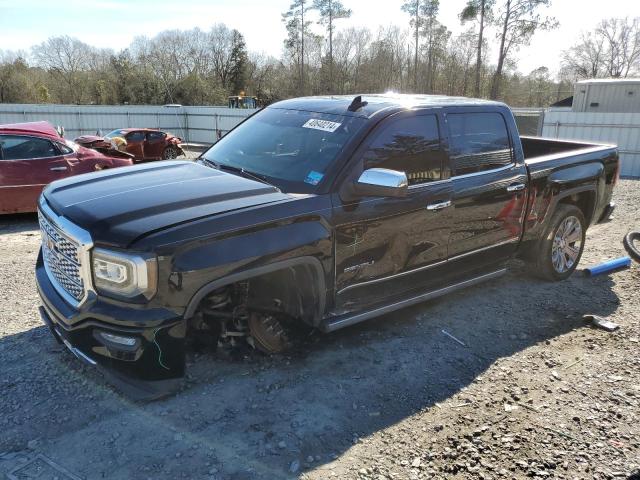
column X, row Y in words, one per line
column 607, row 95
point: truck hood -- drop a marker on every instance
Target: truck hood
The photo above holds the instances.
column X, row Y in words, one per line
column 118, row 206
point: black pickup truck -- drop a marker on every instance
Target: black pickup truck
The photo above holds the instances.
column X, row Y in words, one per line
column 319, row 212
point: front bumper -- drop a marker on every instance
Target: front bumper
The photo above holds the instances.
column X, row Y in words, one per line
column 153, row 366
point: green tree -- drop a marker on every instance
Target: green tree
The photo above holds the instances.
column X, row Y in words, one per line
column 297, row 24
column 423, row 21
column 238, row 73
column 518, row 21
column 477, row 10
column 330, row 11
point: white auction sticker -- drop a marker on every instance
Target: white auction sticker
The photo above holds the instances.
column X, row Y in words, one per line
column 324, row 125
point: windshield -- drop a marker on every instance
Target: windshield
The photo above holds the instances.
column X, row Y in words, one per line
column 115, row 133
column 290, row 148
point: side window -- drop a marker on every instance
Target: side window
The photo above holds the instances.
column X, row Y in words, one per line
column 478, row 142
column 64, row 149
column 155, row 136
column 135, row 137
column 410, row 145
column 23, row 148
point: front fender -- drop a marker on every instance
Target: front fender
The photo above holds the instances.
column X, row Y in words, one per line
column 316, row 291
column 199, row 269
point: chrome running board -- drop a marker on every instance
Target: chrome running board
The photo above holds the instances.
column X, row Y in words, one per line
column 351, row 319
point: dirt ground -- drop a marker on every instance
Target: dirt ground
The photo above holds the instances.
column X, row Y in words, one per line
column 534, row 391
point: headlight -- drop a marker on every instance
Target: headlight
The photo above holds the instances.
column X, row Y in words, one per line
column 124, row 274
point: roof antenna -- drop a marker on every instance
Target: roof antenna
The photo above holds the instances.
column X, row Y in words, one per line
column 357, row 104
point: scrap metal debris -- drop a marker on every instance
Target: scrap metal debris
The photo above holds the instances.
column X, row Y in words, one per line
column 601, row 323
column 454, row 338
column 43, row 468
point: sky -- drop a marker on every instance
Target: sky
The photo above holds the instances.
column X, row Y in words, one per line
column 114, row 23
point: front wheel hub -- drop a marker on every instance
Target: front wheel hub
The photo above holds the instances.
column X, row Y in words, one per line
column 268, row 332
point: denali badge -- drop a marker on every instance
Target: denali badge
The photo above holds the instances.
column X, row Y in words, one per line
column 353, row 268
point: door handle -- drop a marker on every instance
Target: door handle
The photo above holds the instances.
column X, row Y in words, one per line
column 439, row 205
column 516, row 187
column 58, row 169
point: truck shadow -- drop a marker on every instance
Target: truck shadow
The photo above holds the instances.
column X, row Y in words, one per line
column 276, row 417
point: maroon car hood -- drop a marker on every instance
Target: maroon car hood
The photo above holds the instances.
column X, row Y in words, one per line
column 88, row 139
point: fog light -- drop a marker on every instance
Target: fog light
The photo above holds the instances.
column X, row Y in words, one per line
column 118, row 339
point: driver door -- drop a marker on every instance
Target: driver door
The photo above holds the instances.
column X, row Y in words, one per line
column 27, row 165
column 390, row 247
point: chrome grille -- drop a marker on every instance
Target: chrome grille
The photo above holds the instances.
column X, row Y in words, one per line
column 61, row 258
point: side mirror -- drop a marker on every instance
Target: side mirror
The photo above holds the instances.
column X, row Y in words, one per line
column 382, row 182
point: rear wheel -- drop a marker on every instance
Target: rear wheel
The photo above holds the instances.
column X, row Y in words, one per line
column 170, row 153
column 561, row 247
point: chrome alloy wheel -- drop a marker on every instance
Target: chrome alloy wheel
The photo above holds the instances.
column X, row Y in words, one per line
column 170, row 153
column 567, row 242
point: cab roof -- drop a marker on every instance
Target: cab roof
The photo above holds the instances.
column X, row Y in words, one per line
column 339, row 104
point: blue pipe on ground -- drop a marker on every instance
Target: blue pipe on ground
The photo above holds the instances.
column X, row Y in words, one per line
column 611, row 265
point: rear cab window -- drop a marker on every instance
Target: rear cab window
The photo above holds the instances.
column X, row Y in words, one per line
column 478, row 142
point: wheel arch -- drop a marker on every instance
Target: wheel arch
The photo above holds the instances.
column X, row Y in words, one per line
column 305, row 275
column 583, row 197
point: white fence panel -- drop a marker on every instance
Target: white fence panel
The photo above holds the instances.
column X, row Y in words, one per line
column 193, row 124
column 622, row 129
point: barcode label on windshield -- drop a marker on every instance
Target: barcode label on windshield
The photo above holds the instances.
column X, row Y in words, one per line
column 324, row 125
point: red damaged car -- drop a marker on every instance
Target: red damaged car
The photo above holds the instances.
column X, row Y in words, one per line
column 143, row 143
column 33, row 155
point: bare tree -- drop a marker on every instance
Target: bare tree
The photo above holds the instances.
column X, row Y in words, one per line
column 622, row 43
column 69, row 59
column 586, row 59
column 611, row 50
column 518, row 21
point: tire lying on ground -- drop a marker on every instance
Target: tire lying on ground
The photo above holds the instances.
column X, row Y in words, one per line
column 628, row 242
column 561, row 247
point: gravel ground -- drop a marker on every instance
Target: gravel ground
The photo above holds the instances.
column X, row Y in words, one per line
column 535, row 392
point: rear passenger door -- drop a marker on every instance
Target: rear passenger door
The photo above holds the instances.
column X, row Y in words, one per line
column 489, row 189
column 154, row 145
column 388, row 247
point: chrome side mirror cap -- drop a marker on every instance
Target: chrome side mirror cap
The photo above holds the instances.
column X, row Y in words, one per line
column 382, row 182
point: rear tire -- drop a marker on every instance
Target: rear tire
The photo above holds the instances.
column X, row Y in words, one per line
column 560, row 249
column 628, row 242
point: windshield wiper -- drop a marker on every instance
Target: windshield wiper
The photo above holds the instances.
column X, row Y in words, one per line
column 239, row 170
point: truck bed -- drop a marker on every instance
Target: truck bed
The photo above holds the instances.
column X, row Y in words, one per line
column 536, row 147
